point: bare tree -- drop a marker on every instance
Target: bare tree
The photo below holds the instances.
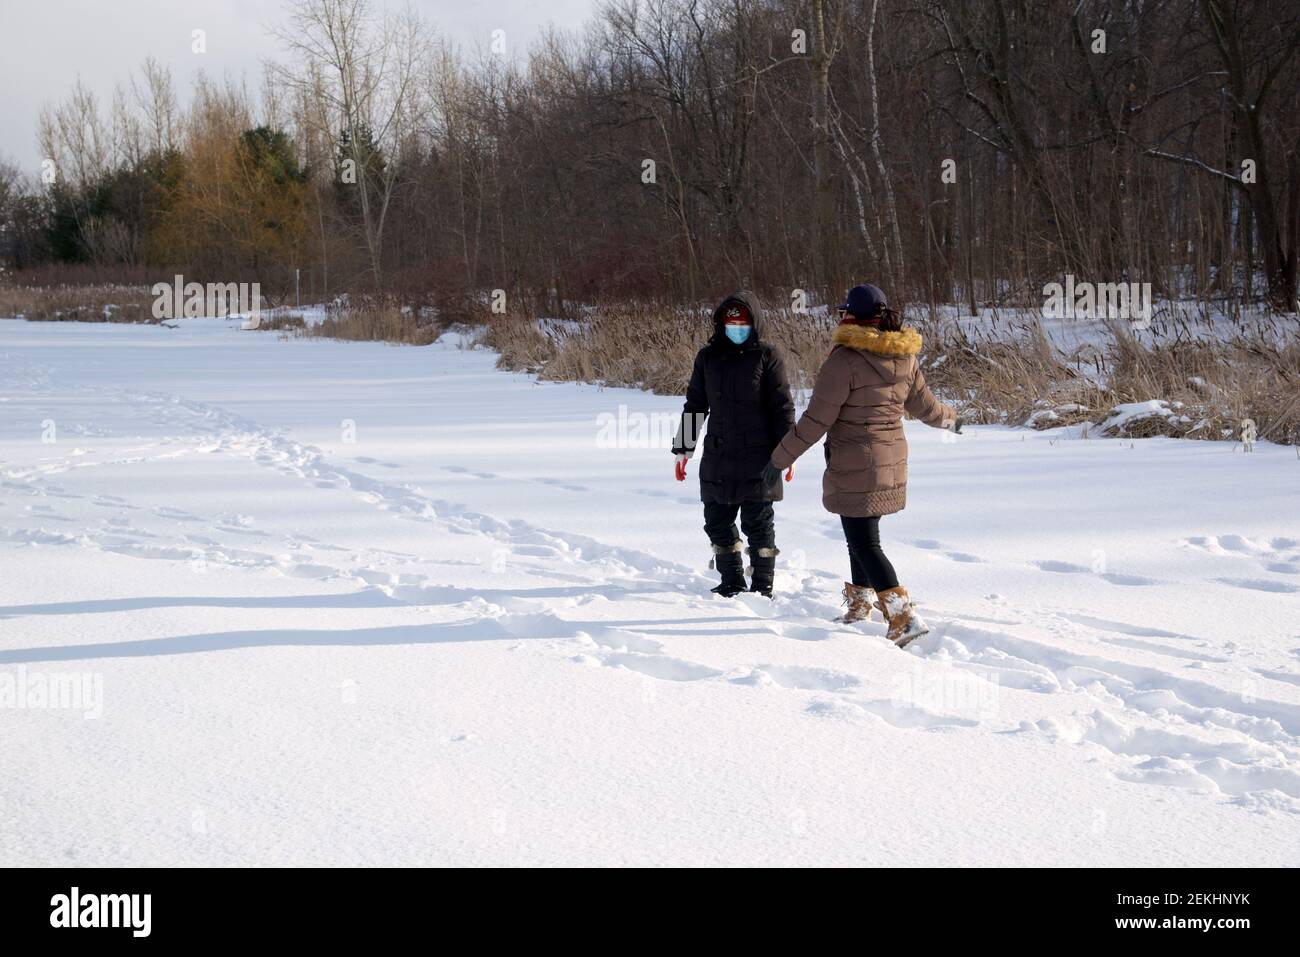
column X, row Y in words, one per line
column 155, row 98
column 363, row 65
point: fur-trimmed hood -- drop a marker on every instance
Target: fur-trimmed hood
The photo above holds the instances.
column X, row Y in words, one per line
column 870, row 380
column 904, row 342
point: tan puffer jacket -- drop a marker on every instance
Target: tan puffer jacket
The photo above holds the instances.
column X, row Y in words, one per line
column 865, row 385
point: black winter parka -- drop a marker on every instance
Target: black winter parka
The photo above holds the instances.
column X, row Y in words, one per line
column 744, row 393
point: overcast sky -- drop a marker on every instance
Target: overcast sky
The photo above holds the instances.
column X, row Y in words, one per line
column 46, row 44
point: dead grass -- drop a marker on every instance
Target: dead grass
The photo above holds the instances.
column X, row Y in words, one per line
column 1213, row 387
column 648, row 345
column 82, row 303
column 1007, row 373
column 289, row 322
column 521, row 343
column 375, row 319
column 1012, row 376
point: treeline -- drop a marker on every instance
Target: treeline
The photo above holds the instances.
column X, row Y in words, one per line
column 949, row 150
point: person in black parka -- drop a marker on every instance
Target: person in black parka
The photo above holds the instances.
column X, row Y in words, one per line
column 739, row 384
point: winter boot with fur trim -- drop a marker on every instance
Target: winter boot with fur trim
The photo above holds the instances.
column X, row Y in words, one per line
column 727, row 560
column 763, row 568
column 859, row 598
column 905, row 625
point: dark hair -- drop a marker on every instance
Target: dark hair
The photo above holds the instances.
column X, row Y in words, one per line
column 890, row 321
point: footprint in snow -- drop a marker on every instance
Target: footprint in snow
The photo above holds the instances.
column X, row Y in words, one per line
column 1261, row 584
column 176, row 514
column 931, row 544
column 1118, row 579
column 1064, row 567
column 797, row 677
column 462, row 470
column 557, row 483
column 1138, row 631
column 1271, row 554
column 1139, row 645
column 307, row 570
column 901, row 715
column 658, row 666
column 1069, row 568
column 1287, row 677
column 811, row 632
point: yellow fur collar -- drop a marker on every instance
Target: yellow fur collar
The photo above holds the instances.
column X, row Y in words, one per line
column 905, row 342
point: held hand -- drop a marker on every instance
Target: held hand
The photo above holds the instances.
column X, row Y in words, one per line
column 679, row 467
column 789, row 473
column 771, row 475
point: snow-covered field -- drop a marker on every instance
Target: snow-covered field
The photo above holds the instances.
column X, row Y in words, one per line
column 344, row 603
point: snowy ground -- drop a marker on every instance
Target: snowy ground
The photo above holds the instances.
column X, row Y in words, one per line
column 358, row 604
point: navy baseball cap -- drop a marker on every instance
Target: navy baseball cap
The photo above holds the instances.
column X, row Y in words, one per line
column 864, row 301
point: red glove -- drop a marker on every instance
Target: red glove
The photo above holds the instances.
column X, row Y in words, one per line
column 679, row 467
column 789, row 473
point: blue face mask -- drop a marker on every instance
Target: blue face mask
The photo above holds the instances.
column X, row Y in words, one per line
column 737, row 334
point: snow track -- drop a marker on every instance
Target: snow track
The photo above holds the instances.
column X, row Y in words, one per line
column 449, row 548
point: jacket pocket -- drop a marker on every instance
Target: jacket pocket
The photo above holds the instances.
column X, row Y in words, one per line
column 849, row 456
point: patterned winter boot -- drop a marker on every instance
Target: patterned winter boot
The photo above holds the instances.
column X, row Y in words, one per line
column 727, row 560
column 905, row 625
column 859, row 599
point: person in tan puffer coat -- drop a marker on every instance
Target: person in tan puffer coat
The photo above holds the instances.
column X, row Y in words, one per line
column 869, row 380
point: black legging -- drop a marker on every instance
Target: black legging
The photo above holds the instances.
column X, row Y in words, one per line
column 867, row 563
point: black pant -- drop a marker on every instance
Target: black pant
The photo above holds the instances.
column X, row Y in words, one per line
column 867, row 563
column 756, row 518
